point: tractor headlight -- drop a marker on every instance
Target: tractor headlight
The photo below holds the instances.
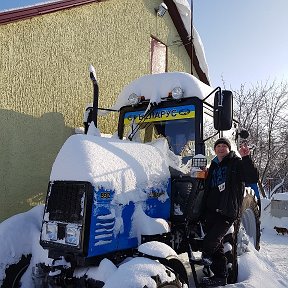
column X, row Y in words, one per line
column 51, row 231
column 72, row 234
column 177, row 93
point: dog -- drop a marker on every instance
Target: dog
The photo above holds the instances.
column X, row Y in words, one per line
column 281, row 230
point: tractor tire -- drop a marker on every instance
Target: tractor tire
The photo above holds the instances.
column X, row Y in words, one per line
column 15, row 272
column 172, row 284
column 247, row 226
column 250, row 217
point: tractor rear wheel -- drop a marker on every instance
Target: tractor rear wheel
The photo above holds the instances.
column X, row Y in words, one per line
column 237, row 238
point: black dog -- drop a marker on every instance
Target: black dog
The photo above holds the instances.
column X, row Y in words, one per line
column 281, row 230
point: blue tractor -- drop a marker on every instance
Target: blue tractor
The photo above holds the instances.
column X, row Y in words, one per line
column 85, row 222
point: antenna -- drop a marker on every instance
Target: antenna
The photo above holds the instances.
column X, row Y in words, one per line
column 192, row 53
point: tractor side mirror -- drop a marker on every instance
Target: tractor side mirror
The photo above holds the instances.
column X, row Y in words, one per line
column 223, row 110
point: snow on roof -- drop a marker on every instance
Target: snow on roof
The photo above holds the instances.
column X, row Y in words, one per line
column 157, row 86
column 128, row 168
column 185, row 12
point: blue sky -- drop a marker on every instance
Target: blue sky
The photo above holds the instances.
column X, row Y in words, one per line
column 245, row 41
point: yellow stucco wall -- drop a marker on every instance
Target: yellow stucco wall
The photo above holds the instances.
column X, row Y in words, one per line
column 45, row 85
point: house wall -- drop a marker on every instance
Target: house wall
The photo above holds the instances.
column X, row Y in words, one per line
column 45, row 83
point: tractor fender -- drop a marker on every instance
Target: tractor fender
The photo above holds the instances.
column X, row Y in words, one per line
column 165, row 255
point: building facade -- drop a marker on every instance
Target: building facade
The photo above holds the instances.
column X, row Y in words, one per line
column 45, row 53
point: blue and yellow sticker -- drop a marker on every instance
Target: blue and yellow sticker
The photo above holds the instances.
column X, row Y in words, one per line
column 161, row 114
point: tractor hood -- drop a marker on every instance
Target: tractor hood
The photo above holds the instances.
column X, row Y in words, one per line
column 128, row 168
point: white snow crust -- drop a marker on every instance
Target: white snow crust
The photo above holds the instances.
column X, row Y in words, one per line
column 157, row 249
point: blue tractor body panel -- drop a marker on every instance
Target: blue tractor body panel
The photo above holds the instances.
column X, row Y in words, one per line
column 111, row 224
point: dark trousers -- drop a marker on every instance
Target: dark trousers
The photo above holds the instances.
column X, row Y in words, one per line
column 216, row 226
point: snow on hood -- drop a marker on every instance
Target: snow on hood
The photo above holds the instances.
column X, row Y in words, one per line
column 128, row 168
column 157, row 86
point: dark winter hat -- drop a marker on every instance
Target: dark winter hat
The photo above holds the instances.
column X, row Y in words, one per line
column 223, row 140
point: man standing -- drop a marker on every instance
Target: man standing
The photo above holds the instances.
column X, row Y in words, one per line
column 222, row 201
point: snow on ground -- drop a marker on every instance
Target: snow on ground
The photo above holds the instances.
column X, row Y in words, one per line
column 264, row 269
column 268, row 267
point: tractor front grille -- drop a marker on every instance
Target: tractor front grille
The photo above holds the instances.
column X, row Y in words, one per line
column 66, row 201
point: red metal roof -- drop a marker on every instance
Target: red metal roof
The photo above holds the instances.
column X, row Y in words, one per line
column 24, row 13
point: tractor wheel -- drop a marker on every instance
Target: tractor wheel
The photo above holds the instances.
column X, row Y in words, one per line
column 15, row 271
column 172, row 284
column 176, row 267
column 237, row 238
column 250, row 217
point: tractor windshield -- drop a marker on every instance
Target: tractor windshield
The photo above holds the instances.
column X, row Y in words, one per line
column 176, row 124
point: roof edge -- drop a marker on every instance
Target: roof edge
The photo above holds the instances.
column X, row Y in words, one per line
column 178, row 23
column 28, row 12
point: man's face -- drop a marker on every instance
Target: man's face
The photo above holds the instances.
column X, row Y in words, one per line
column 221, row 150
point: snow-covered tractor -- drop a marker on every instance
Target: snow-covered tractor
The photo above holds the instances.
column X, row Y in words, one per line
column 133, row 199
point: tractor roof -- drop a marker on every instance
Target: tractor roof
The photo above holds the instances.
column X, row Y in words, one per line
column 157, row 86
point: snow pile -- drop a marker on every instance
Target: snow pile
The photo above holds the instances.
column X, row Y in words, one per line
column 19, row 235
column 137, row 273
column 142, row 224
column 157, row 86
column 281, row 196
column 266, row 268
column 157, row 249
column 257, row 270
column 128, row 168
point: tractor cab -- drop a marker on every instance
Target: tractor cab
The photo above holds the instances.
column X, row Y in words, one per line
column 172, row 105
column 175, row 121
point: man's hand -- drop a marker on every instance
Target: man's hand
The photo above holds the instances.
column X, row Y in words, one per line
column 244, row 150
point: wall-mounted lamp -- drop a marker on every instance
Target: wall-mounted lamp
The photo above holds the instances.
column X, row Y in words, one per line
column 161, row 10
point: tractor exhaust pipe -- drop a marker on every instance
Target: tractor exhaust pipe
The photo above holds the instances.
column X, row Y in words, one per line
column 95, row 94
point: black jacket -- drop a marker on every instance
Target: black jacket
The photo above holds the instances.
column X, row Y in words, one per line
column 225, row 185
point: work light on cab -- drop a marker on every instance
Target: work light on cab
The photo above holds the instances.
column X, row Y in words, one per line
column 134, row 99
column 177, row 93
